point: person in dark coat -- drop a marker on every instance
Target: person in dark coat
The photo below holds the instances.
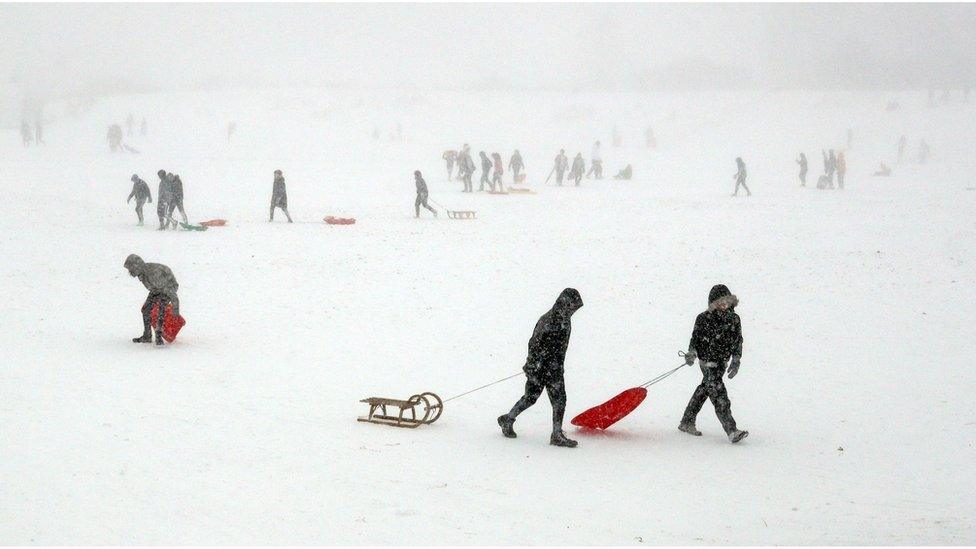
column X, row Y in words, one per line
column 163, row 196
column 740, row 177
column 544, row 366
column 279, row 196
column 466, row 168
column 486, row 166
column 114, row 137
column 578, row 169
column 422, row 194
column 140, row 191
column 162, row 286
column 516, row 165
column 802, row 161
column 716, row 338
column 559, row 166
column 176, row 197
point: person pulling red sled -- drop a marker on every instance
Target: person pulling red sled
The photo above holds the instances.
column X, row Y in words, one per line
column 162, row 286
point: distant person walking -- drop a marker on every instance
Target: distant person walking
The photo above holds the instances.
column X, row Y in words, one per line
column 841, row 169
column 450, row 156
column 596, row 162
column 802, row 161
column 496, row 176
column 176, row 197
column 578, row 169
column 279, row 196
column 559, row 166
column 740, row 177
column 516, row 165
column 26, row 136
column 422, row 195
column 164, row 194
column 140, row 191
column 486, row 166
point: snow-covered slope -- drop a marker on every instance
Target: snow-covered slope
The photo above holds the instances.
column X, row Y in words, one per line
column 856, row 308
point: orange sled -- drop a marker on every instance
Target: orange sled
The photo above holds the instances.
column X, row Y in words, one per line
column 214, row 223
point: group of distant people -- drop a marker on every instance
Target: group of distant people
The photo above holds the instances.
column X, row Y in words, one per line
column 36, row 136
column 835, row 163
column 492, row 168
column 169, row 198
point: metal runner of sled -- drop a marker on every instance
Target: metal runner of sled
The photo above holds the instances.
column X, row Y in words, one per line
column 432, row 404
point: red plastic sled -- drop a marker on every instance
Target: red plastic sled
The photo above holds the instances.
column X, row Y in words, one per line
column 171, row 323
column 214, row 223
column 339, row 220
column 611, row 411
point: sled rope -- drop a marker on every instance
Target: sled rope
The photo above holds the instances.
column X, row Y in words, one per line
column 483, row 386
column 665, row 374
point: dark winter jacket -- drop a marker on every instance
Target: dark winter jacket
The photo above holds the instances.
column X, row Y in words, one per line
column 279, row 196
column 165, row 191
column 718, row 334
column 485, row 162
column 550, row 339
column 140, row 191
column 561, row 163
column 421, row 186
column 155, row 277
column 579, row 166
column 176, row 187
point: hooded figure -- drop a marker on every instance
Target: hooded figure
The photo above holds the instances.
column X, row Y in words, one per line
column 802, row 161
column 140, row 191
column 516, row 165
column 164, row 195
column 485, row 171
column 162, row 286
column 422, row 194
column 544, row 366
column 740, row 177
column 279, row 196
column 578, row 169
column 717, row 336
column 176, row 201
column 559, row 166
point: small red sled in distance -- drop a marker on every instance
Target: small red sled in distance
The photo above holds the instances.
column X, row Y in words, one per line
column 171, row 323
column 214, row 223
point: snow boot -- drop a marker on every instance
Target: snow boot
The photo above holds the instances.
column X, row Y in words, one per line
column 558, row 438
column 159, row 339
column 737, row 435
column 506, row 422
column 689, row 428
column 144, row 338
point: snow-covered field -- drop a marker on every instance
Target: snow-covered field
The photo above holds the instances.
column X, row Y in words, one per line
column 857, row 311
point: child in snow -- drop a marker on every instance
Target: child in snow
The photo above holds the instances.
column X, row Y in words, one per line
column 422, row 194
column 162, row 286
column 279, row 196
column 140, row 191
column 544, row 367
column 717, row 336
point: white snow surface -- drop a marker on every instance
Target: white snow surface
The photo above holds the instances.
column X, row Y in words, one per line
column 856, row 306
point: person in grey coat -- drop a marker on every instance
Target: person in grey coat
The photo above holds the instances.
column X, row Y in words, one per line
column 422, row 194
column 486, row 166
column 279, row 196
column 176, row 200
column 163, row 196
column 140, row 191
column 162, row 286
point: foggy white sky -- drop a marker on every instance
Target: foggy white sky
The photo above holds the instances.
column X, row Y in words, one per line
column 55, row 46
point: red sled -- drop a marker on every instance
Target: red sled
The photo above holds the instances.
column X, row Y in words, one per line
column 214, row 223
column 339, row 220
column 611, row 411
column 171, row 323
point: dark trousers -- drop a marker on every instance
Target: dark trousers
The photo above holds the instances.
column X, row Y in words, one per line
column 422, row 201
column 279, row 204
column 484, row 179
column 552, row 383
column 177, row 204
column 712, row 388
column 468, row 185
column 139, row 211
column 596, row 168
column 743, row 183
column 162, row 210
column 559, row 177
column 152, row 299
column 803, row 178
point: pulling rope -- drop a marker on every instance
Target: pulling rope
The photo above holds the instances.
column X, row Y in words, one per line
column 483, row 386
column 665, row 374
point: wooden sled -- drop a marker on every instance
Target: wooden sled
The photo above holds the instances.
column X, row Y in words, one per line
column 520, row 179
column 497, row 192
column 339, row 220
column 523, row 190
column 431, row 404
column 462, row 214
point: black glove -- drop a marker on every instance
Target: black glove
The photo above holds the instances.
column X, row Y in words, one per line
column 690, row 358
column 734, row 367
